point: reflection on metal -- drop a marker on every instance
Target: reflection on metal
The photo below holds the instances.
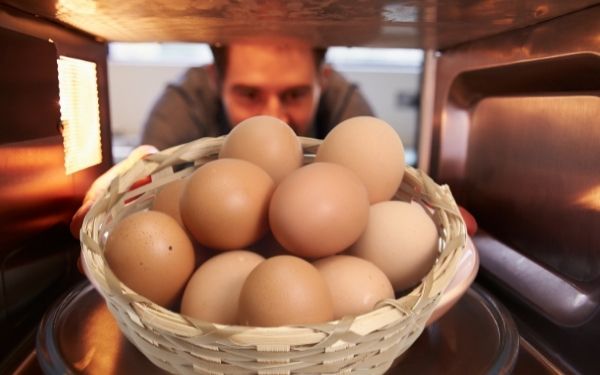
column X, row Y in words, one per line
column 589, row 199
column 426, row 110
column 516, row 136
column 34, row 191
column 399, row 23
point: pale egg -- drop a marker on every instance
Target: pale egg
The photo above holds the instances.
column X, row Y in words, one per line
column 356, row 285
column 401, row 239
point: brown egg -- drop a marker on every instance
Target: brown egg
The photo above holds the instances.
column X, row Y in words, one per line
column 167, row 199
column 372, row 149
column 151, row 254
column 225, row 203
column 284, row 290
column 267, row 142
column 318, row 210
column 356, row 284
column 213, row 291
column 401, row 239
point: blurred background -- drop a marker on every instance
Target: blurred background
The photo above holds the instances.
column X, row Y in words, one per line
column 390, row 79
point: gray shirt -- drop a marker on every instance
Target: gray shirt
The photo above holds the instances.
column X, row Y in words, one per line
column 191, row 108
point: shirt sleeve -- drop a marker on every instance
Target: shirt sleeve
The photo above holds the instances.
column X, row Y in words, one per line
column 185, row 111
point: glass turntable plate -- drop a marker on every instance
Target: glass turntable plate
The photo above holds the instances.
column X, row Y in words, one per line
column 80, row 336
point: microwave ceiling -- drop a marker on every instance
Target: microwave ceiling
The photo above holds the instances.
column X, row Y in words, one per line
column 429, row 24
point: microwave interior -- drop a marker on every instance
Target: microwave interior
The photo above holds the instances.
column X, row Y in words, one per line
column 508, row 117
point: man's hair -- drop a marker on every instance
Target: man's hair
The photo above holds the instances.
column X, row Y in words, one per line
column 220, row 56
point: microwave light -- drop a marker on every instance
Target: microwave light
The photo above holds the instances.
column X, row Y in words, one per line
column 79, row 113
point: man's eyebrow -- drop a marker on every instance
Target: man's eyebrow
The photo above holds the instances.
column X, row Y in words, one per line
column 248, row 87
column 298, row 87
column 241, row 86
column 301, row 86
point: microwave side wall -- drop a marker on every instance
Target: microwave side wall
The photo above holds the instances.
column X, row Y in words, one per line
column 38, row 255
column 516, row 134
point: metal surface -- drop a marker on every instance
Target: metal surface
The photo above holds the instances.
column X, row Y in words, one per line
column 34, row 189
column 477, row 336
column 401, row 23
column 37, row 198
column 516, row 135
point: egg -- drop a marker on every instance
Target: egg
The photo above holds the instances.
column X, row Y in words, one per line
column 267, row 142
column 213, row 291
column 225, row 203
column 167, row 199
column 318, row 210
column 284, row 290
column 150, row 253
column 356, row 285
column 372, row 149
column 401, row 239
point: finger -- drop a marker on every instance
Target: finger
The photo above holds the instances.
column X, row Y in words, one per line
column 470, row 221
column 77, row 219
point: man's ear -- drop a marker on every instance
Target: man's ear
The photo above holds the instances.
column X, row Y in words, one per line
column 213, row 77
column 325, row 74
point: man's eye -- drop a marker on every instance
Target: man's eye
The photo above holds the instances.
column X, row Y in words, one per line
column 295, row 94
column 248, row 94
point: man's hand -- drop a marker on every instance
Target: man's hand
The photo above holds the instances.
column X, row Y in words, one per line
column 470, row 221
column 100, row 186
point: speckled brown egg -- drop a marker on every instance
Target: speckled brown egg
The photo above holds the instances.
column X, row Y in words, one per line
column 151, row 254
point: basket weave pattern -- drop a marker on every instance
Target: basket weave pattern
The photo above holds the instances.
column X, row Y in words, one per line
column 365, row 344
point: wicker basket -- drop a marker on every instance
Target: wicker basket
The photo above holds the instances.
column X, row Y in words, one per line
column 368, row 343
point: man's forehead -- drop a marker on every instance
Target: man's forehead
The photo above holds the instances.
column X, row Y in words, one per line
column 274, row 64
column 278, row 50
column 274, row 41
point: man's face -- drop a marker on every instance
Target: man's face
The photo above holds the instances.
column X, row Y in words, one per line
column 272, row 79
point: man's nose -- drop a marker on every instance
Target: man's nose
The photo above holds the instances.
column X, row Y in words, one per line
column 274, row 107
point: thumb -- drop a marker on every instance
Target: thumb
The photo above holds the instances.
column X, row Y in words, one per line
column 77, row 220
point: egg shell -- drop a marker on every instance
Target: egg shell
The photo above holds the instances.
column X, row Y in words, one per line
column 401, row 239
column 167, row 199
column 356, row 284
column 213, row 291
column 225, row 203
column 284, row 290
column 318, row 210
column 372, row 149
column 150, row 253
column 267, row 142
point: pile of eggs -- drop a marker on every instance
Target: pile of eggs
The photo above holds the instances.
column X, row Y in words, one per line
column 258, row 237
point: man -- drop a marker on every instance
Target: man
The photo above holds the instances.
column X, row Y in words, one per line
column 285, row 78
column 281, row 77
